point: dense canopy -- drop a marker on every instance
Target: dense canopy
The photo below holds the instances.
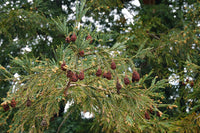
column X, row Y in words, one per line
column 132, row 68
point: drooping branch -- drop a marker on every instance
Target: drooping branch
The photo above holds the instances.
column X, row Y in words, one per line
column 63, row 122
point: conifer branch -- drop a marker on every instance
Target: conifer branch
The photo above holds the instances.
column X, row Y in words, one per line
column 63, row 121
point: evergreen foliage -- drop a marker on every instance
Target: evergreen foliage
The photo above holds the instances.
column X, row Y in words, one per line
column 124, row 75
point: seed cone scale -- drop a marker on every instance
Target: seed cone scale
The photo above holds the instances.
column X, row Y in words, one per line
column 126, row 80
column 113, row 65
column 99, row 72
column 73, row 37
column 81, row 75
column 13, row 103
column 67, row 39
column 6, row 107
column 135, row 76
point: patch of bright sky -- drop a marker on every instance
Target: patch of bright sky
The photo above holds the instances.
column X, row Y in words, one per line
column 129, row 15
column 30, row 1
column 174, row 79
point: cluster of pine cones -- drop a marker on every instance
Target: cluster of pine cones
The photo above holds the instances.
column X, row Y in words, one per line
column 74, row 77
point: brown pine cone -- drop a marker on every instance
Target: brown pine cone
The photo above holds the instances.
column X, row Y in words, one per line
column 99, row 72
column 73, row 37
column 6, row 107
column 147, row 116
column 183, row 83
column 135, row 76
column 113, row 65
column 62, row 66
column 74, row 77
column 192, row 83
column 81, row 75
column 81, row 53
column 126, row 80
column 13, row 103
column 69, row 73
column 89, row 38
column 108, row 75
column 105, row 75
column 118, row 86
column 67, row 39
column 28, row 103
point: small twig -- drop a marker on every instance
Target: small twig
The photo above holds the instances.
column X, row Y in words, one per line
column 63, row 122
column 90, row 68
column 154, row 36
column 83, row 85
column 67, row 87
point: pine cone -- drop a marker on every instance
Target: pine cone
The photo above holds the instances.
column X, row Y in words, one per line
column 192, row 83
column 73, row 37
column 6, row 107
column 147, row 116
column 67, row 39
column 135, row 76
column 108, row 75
column 99, row 72
column 183, row 83
column 81, row 53
column 89, row 38
column 28, row 103
column 81, row 75
column 126, row 80
column 63, row 66
column 74, row 77
column 69, row 73
column 113, row 65
column 13, row 103
column 118, row 86
column 104, row 75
